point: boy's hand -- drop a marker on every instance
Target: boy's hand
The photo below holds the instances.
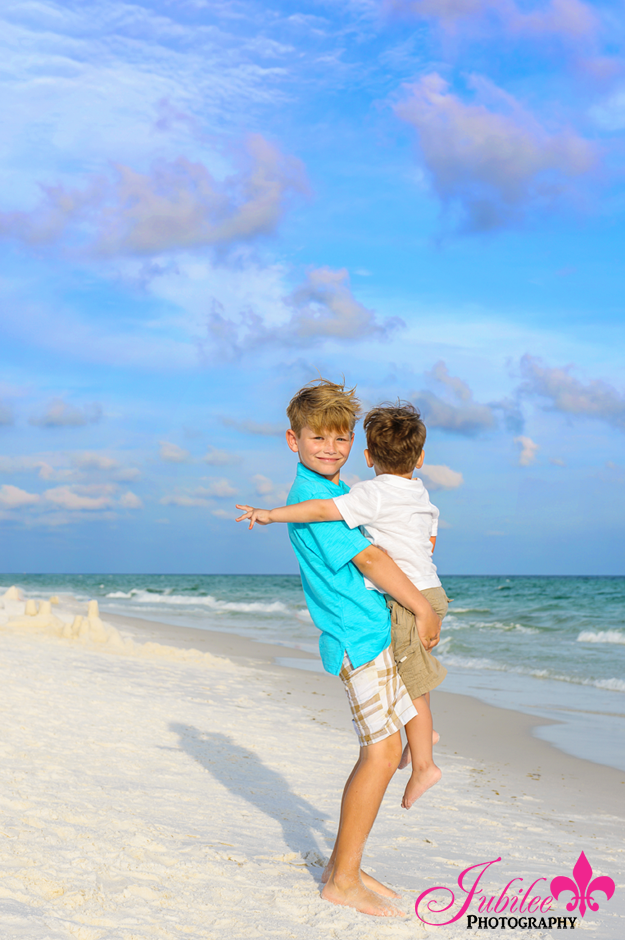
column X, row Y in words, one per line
column 261, row 516
column 429, row 628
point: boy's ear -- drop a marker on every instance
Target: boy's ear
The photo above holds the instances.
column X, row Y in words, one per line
column 368, row 458
column 291, row 440
column 420, row 460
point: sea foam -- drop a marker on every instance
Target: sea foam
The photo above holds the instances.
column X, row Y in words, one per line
column 207, row 600
column 602, row 636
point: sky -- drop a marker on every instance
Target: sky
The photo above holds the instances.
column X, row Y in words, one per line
column 205, row 205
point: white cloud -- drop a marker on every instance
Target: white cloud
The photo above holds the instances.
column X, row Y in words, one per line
column 568, row 395
column 126, row 474
column 91, row 498
column 69, row 466
column 263, row 428
column 219, row 458
column 172, row 453
column 220, row 488
column 201, row 495
column 26, row 464
column 263, row 485
column 11, row 497
column 528, row 450
column 557, row 461
column 493, row 166
column 92, row 460
column 98, row 462
column 441, row 477
column 222, row 514
column 130, row 501
column 60, row 414
column 181, row 499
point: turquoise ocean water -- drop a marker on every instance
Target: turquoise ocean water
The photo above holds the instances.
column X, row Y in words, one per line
column 549, row 646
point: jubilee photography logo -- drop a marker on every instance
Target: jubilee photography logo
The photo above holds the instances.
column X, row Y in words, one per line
column 515, row 907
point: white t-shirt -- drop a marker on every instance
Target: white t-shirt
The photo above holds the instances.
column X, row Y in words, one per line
column 400, row 518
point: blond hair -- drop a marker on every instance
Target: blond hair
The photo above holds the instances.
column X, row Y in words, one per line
column 323, row 406
column 395, row 436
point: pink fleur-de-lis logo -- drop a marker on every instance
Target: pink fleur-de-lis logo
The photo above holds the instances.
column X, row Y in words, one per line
column 582, row 888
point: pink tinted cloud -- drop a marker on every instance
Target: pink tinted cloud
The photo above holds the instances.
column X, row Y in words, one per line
column 567, row 394
column 176, row 204
column 493, row 164
column 322, row 308
column 570, row 20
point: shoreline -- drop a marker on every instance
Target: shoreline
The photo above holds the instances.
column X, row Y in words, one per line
column 515, row 763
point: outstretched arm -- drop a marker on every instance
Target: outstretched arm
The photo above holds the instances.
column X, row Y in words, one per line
column 382, row 570
column 311, row 510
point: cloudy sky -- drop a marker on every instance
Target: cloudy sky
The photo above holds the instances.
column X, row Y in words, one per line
column 207, row 204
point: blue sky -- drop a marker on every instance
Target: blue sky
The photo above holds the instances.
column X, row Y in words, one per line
column 205, row 205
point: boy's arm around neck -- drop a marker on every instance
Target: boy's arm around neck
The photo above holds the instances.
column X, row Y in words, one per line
column 378, row 567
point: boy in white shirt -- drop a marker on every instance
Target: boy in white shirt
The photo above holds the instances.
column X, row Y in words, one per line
column 399, row 518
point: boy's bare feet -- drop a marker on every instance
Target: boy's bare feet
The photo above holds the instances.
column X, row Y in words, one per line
column 406, row 757
column 419, row 782
column 368, row 880
column 361, row 898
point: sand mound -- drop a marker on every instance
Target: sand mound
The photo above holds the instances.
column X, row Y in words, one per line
column 37, row 617
column 13, row 594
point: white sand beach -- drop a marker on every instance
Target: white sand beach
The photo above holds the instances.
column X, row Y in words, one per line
column 166, row 782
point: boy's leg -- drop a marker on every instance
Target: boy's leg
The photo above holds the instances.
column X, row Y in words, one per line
column 425, row 773
column 368, row 880
column 362, row 797
column 406, row 757
column 380, row 705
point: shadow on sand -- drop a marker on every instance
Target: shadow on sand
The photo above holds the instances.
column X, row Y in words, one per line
column 244, row 774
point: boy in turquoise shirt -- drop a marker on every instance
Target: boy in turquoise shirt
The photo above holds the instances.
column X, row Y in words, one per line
column 355, row 632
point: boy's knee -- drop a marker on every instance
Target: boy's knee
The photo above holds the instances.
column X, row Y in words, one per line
column 386, row 753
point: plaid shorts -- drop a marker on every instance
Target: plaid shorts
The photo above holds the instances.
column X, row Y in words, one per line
column 377, row 697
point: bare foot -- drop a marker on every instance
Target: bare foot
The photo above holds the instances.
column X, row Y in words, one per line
column 363, row 899
column 419, row 782
column 368, row 880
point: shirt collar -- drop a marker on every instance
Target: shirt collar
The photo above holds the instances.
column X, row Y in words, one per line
column 307, row 474
column 394, row 480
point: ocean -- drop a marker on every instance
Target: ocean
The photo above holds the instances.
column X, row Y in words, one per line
column 549, row 646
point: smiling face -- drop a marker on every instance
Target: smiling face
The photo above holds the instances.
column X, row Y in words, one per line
column 324, row 452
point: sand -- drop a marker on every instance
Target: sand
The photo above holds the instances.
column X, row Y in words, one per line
column 149, row 791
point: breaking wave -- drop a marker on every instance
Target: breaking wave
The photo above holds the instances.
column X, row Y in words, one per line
column 207, row 600
column 602, row 636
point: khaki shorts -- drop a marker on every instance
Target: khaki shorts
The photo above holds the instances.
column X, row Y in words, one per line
column 377, row 697
column 420, row 671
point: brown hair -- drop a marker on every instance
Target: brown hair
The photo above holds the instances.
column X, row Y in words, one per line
column 395, row 436
column 323, row 406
